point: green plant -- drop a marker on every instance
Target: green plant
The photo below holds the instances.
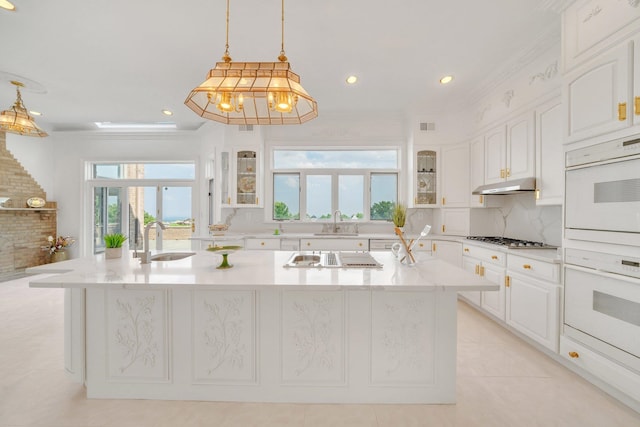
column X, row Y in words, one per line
column 399, row 214
column 114, row 240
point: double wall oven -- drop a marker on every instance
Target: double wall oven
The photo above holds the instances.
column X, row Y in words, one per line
column 602, row 249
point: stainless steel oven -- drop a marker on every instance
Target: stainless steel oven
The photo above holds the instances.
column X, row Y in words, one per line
column 602, row 194
column 602, row 303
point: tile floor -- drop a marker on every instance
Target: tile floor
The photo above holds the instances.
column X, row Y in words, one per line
column 502, row 381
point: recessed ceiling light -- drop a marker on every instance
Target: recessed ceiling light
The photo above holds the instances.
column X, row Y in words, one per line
column 352, row 79
column 446, row 79
column 167, row 112
column 35, row 113
column 6, row 4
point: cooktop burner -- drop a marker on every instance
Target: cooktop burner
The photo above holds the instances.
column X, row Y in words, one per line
column 511, row 243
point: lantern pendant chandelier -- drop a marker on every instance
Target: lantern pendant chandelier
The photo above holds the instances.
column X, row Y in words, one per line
column 253, row 93
column 17, row 119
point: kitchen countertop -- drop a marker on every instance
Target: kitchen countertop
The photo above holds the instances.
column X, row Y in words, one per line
column 253, row 270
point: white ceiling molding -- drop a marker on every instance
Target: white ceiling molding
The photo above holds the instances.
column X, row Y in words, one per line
column 550, row 72
column 557, row 6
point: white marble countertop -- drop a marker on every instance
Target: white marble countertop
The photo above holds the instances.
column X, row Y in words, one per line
column 254, row 270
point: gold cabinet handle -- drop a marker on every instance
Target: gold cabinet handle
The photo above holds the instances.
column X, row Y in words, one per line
column 308, row 243
column 443, row 228
column 481, row 271
column 360, row 244
column 481, row 199
column 622, row 111
column 228, row 200
column 477, row 269
column 636, row 103
column 526, row 267
column 494, row 256
column 508, row 172
column 537, row 194
column 261, row 243
column 502, row 172
column 507, row 281
column 574, row 354
column 433, row 247
column 443, row 201
column 421, row 245
column 466, row 249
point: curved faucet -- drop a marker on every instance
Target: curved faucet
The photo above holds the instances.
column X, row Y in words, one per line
column 145, row 258
column 335, row 225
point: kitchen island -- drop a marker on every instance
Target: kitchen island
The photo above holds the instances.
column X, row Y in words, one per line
column 184, row 330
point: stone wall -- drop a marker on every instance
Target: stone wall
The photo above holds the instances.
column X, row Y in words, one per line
column 22, row 232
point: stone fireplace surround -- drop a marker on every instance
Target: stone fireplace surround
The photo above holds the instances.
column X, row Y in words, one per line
column 22, row 232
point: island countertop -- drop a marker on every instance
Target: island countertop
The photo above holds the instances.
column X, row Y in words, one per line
column 253, row 270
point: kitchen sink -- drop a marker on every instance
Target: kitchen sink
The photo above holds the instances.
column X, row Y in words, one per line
column 171, row 256
column 333, row 259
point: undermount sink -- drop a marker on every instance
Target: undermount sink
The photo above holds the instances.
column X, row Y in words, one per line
column 171, row 256
column 304, row 261
column 333, row 259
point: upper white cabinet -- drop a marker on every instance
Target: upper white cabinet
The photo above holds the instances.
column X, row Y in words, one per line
column 476, row 169
column 592, row 26
column 241, row 177
column 510, row 150
column 425, row 177
column 597, row 94
column 549, row 154
column 455, row 176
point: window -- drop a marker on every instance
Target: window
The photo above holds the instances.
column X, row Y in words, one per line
column 143, row 171
column 311, row 185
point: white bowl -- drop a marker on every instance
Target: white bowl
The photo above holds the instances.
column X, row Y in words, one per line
column 3, row 199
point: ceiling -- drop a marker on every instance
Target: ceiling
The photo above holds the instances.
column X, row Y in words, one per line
column 125, row 61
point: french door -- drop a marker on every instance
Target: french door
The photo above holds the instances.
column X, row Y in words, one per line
column 128, row 209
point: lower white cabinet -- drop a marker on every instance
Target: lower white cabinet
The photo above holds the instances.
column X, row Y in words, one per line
column 533, row 299
column 533, row 309
column 321, row 244
column 448, row 251
column 490, row 264
column 270, row 244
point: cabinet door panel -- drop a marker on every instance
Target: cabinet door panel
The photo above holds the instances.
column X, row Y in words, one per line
column 469, row 264
column 593, row 93
column 494, row 301
column 477, row 169
column 549, row 154
column 495, row 155
column 455, row 176
column 520, row 148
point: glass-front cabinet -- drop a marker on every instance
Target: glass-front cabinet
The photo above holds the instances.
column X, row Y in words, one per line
column 425, row 191
column 240, row 178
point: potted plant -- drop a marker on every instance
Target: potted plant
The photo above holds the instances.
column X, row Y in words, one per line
column 56, row 247
column 399, row 215
column 114, row 242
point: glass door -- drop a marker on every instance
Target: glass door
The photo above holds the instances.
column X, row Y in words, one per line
column 175, row 213
column 108, row 215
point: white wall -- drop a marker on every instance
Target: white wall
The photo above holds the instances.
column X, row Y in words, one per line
column 36, row 156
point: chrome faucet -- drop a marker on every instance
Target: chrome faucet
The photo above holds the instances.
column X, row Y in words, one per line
column 145, row 257
column 339, row 215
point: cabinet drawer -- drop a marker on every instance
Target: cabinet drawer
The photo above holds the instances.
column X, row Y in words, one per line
column 422, row 246
column 262, row 244
column 534, row 268
column 334, row 244
column 485, row 254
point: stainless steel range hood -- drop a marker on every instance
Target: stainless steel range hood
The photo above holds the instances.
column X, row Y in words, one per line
column 507, row 187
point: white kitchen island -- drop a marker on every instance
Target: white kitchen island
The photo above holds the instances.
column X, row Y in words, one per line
column 261, row 332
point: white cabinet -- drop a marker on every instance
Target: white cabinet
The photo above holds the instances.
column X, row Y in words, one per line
column 549, row 154
column 490, row 264
column 597, row 96
column 495, row 155
column 533, row 299
column 476, row 169
column 447, row 251
column 241, row 177
column 474, row 297
column 254, row 243
column 425, row 179
column 455, row 176
column 321, row 244
column 455, row 221
column 589, row 27
column 510, row 150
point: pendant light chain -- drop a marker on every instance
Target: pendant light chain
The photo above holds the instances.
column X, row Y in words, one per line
column 282, row 57
column 226, row 57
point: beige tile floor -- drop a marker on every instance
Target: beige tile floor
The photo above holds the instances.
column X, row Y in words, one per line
column 502, row 381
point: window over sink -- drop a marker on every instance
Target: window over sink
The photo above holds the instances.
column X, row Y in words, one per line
column 313, row 184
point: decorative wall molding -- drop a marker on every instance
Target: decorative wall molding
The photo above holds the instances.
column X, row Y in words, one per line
column 507, row 97
column 557, row 6
column 137, row 335
column 313, row 347
column 223, row 336
column 481, row 112
column 549, row 73
column 402, row 338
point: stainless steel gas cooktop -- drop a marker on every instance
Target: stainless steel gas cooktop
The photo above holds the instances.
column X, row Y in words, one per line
column 511, row 243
